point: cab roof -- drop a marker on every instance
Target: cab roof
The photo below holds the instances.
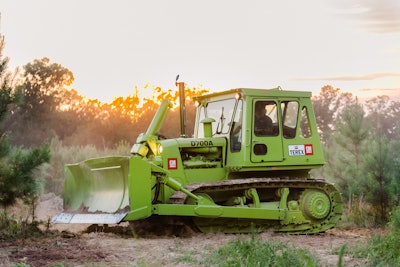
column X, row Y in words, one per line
column 253, row 92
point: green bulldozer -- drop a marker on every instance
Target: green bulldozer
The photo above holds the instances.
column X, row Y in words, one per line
column 247, row 166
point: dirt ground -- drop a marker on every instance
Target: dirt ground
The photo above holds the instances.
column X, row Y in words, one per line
column 70, row 246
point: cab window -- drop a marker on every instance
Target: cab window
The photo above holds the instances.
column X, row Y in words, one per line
column 265, row 118
column 305, row 124
column 290, row 111
column 222, row 113
column 236, row 132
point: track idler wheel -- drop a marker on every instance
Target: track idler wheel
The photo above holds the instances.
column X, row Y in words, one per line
column 315, row 204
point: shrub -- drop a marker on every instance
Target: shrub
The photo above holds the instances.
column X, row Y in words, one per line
column 357, row 213
column 383, row 250
column 12, row 229
column 256, row 252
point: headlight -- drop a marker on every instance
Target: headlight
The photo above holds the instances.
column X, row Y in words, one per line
column 160, row 149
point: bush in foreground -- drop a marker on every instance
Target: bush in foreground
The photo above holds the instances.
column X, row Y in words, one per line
column 12, row 229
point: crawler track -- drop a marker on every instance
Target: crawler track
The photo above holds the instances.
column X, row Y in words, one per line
column 319, row 204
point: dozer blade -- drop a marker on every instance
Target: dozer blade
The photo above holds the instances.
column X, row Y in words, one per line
column 95, row 218
column 95, row 191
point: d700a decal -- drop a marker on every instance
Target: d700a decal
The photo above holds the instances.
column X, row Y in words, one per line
column 201, row 143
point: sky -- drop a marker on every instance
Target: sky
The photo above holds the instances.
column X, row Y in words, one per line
column 113, row 46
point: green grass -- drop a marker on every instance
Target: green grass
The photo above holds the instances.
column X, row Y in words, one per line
column 256, row 252
column 383, row 250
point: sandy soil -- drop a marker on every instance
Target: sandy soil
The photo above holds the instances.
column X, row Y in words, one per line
column 98, row 247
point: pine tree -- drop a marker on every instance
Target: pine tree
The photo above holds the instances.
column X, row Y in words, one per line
column 17, row 166
column 376, row 174
column 351, row 132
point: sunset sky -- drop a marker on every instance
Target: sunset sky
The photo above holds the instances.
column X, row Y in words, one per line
column 112, row 46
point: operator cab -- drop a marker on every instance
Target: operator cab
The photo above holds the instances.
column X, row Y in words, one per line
column 272, row 128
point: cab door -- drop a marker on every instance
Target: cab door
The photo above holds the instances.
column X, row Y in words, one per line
column 266, row 138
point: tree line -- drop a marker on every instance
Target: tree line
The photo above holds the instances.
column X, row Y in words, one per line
column 361, row 140
column 51, row 110
column 362, row 151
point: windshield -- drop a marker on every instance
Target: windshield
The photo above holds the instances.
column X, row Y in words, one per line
column 222, row 112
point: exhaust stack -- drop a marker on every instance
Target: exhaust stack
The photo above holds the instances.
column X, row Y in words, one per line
column 182, row 108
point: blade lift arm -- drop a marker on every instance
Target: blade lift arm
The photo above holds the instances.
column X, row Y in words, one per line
column 149, row 139
column 205, row 207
